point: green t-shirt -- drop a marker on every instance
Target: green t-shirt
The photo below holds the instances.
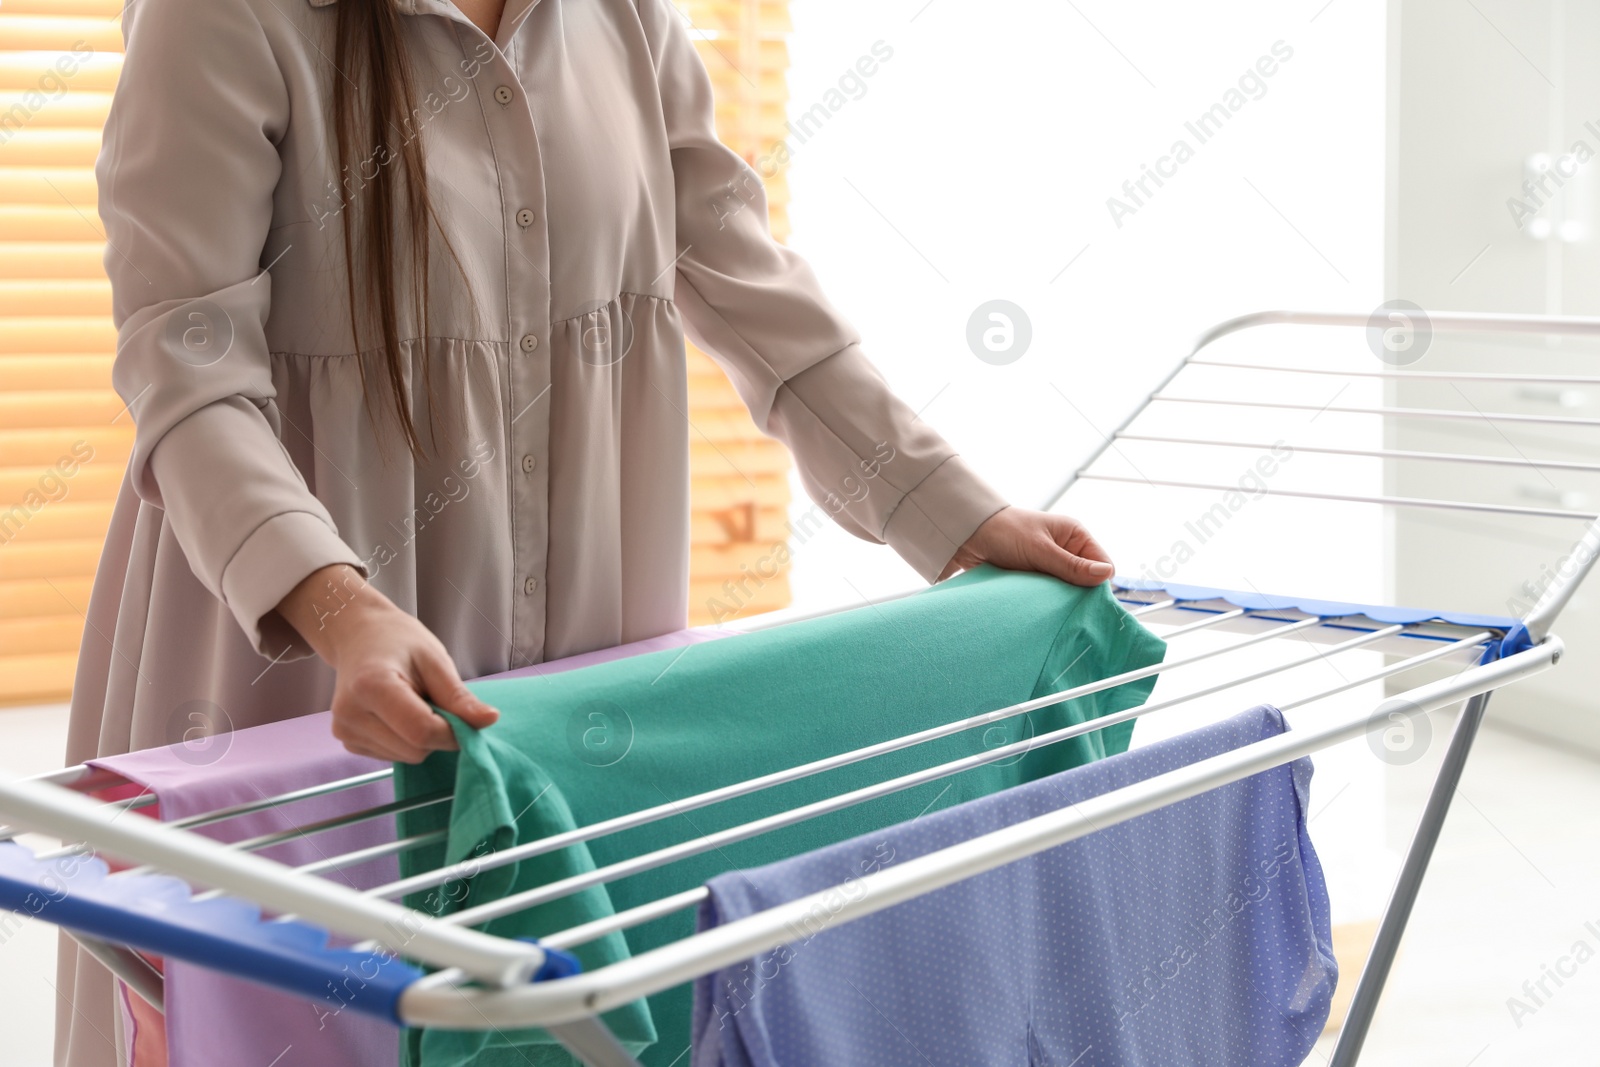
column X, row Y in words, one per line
column 574, row 748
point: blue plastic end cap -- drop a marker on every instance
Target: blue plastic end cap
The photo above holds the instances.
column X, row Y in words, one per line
column 557, row 964
column 1517, row 639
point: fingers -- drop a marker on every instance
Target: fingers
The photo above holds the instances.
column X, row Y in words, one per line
column 410, row 716
column 389, row 741
column 444, row 686
column 389, row 667
column 1060, row 563
column 1017, row 539
column 379, row 713
column 1073, row 555
column 1087, row 571
column 364, row 734
column 1070, row 534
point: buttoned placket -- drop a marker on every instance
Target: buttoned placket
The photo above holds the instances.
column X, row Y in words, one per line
column 513, row 143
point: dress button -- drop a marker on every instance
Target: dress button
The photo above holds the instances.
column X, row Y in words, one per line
column 527, row 464
column 503, row 94
column 530, row 585
column 529, row 342
column 524, row 218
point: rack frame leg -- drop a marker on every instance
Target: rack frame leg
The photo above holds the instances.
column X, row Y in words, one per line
column 1369, row 989
column 593, row 1043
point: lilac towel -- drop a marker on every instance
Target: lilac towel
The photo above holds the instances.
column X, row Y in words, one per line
column 214, row 1019
column 1193, row 936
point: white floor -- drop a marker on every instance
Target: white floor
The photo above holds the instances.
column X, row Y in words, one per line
column 31, row 742
column 1515, row 880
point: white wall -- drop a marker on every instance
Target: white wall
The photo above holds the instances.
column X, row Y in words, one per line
column 977, row 164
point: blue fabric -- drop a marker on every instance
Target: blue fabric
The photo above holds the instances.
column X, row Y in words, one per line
column 1516, row 637
column 1196, row 934
column 156, row 913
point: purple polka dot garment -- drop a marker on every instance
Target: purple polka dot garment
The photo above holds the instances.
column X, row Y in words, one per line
column 1196, row 934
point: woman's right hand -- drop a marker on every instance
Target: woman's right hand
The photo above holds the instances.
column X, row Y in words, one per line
column 389, row 666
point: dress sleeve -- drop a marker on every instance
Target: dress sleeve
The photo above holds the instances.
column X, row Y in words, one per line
column 186, row 172
column 757, row 309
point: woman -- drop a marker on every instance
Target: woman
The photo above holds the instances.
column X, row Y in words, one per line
column 513, row 209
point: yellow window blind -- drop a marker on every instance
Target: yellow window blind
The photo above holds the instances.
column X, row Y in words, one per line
column 740, row 495
column 64, row 436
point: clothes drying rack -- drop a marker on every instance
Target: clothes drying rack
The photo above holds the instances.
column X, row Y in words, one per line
column 465, row 979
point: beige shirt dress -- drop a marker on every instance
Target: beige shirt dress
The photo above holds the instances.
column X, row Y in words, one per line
column 576, row 173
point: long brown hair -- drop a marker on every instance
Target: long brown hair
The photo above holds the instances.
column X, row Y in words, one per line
column 370, row 61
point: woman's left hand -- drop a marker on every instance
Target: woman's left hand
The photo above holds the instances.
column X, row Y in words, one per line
column 1021, row 540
